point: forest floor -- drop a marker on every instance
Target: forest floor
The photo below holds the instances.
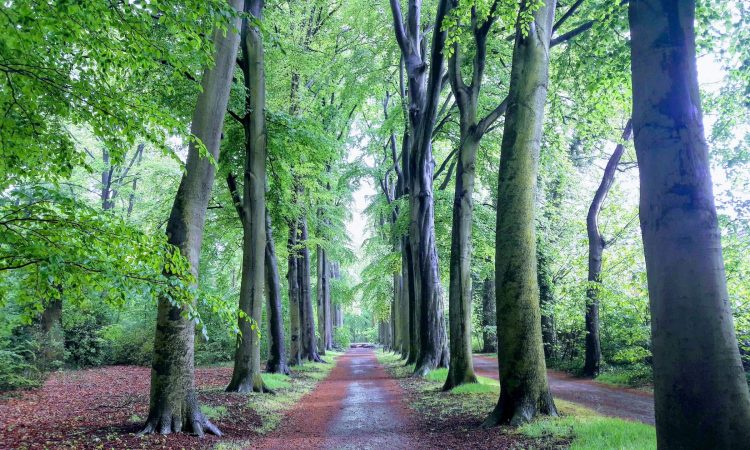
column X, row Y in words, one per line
column 607, row 400
column 362, row 399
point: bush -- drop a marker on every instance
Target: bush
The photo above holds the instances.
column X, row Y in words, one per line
column 129, row 344
column 341, row 338
column 16, row 372
column 633, row 376
column 84, row 346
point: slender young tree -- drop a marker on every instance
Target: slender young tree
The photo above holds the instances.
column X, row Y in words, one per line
column 524, row 392
column 597, row 244
column 700, row 390
column 174, row 404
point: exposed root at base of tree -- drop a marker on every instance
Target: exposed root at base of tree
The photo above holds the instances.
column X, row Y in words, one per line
column 198, row 425
column 516, row 414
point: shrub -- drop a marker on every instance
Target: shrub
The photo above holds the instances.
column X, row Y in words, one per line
column 129, row 343
column 16, row 372
column 84, row 347
column 341, row 338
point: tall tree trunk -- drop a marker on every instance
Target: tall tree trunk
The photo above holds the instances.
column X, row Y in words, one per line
column 461, row 368
column 174, row 405
column 489, row 338
column 246, row 376
column 309, row 346
column 597, row 244
column 524, row 392
column 295, row 319
column 322, row 293
column 410, row 304
column 700, row 390
column 277, row 362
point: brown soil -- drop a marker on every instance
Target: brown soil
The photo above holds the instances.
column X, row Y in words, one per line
column 607, row 400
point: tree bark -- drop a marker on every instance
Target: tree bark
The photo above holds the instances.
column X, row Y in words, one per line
column 489, row 336
column 424, row 96
column 246, row 376
column 700, row 390
column 592, row 363
column 309, row 348
column 295, row 319
column 322, row 293
column 173, row 405
column 277, row 362
column 524, row 392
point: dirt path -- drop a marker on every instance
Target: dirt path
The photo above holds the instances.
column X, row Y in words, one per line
column 607, row 400
column 359, row 406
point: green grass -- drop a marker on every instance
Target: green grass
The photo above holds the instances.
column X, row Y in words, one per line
column 213, row 412
column 630, row 377
column 276, row 381
column 581, row 426
column 594, row 432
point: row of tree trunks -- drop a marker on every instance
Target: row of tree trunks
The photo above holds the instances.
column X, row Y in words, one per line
column 174, row 406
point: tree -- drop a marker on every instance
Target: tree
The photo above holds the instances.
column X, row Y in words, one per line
column 251, row 207
column 472, row 129
column 277, row 362
column 700, row 391
column 174, row 405
column 524, row 392
column 597, row 244
column 424, row 88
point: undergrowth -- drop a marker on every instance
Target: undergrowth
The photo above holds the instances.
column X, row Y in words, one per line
column 577, row 426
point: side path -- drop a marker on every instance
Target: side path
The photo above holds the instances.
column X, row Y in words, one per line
column 359, row 406
column 610, row 401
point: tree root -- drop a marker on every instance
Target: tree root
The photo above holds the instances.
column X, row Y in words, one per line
column 198, row 425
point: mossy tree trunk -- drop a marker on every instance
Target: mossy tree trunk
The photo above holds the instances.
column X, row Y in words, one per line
column 246, row 376
column 700, row 390
column 597, row 244
column 173, row 403
column 524, row 392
